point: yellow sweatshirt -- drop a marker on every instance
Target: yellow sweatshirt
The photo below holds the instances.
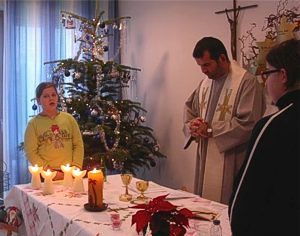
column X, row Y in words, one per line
column 54, row 142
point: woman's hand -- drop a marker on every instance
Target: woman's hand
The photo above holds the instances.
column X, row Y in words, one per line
column 59, row 176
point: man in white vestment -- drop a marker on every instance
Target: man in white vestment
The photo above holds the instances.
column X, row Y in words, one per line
column 219, row 115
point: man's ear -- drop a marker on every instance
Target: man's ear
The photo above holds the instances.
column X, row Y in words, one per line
column 222, row 58
column 284, row 76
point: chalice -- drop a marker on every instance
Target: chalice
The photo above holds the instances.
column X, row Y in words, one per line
column 142, row 186
column 126, row 179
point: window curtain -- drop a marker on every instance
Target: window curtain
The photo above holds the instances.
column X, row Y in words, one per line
column 33, row 35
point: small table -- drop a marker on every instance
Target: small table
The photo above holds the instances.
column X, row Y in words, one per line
column 63, row 213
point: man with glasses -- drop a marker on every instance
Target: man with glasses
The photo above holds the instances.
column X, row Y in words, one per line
column 219, row 116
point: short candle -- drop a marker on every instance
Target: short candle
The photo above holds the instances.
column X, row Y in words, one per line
column 48, row 184
column 35, row 176
column 68, row 179
column 78, row 183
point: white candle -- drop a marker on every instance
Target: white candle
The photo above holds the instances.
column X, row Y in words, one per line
column 48, row 183
column 68, row 179
column 35, row 176
column 78, row 182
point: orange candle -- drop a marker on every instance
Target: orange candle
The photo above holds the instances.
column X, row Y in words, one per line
column 95, row 188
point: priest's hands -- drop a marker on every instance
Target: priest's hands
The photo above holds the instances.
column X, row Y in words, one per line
column 200, row 128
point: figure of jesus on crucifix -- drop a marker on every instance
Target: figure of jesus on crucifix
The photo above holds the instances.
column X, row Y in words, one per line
column 233, row 21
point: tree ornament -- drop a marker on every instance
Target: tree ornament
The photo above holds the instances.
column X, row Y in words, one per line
column 115, row 26
column 152, row 163
column 77, row 75
column 146, row 140
column 156, row 147
column 102, row 25
column 76, row 115
column 105, row 48
column 70, row 23
column 69, row 100
column 63, row 20
column 67, row 73
column 55, row 79
column 94, row 113
column 142, row 118
column 99, row 120
column 34, row 107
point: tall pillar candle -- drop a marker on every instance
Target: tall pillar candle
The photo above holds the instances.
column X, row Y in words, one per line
column 95, row 188
column 35, row 176
column 48, row 183
column 68, row 178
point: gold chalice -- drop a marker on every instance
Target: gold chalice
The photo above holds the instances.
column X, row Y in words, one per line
column 126, row 179
column 142, row 186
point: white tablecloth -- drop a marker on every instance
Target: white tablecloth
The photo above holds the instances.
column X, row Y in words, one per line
column 62, row 213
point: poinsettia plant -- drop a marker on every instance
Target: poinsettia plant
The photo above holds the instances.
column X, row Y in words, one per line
column 163, row 217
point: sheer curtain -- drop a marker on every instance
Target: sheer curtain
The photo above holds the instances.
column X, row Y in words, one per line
column 33, row 35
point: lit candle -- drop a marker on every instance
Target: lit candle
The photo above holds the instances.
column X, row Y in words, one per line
column 35, row 176
column 68, row 179
column 48, row 184
column 95, row 188
column 78, row 183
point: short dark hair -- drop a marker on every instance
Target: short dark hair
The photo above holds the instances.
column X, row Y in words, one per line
column 214, row 46
column 40, row 88
column 286, row 55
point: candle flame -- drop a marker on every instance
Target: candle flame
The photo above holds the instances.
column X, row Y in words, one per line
column 34, row 168
column 77, row 172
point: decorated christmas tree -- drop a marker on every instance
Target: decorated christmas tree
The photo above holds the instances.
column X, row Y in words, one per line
column 91, row 89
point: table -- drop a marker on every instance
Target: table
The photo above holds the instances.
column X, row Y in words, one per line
column 62, row 213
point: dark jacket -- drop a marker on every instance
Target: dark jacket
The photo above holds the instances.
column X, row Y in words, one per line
column 265, row 200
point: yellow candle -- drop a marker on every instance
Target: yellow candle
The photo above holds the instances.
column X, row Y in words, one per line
column 95, row 188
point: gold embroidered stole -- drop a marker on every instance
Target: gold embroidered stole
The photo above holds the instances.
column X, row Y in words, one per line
column 214, row 164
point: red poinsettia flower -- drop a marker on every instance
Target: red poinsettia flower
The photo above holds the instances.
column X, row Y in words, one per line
column 162, row 216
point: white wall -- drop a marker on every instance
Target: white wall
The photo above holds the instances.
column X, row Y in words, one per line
column 161, row 38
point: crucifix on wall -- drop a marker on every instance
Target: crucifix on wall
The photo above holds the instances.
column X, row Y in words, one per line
column 233, row 21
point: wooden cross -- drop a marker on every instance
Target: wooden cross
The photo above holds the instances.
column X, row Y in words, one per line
column 233, row 24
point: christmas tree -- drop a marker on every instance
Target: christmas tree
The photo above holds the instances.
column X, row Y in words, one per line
column 91, row 90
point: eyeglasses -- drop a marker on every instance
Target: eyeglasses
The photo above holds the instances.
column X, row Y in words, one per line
column 265, row 74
